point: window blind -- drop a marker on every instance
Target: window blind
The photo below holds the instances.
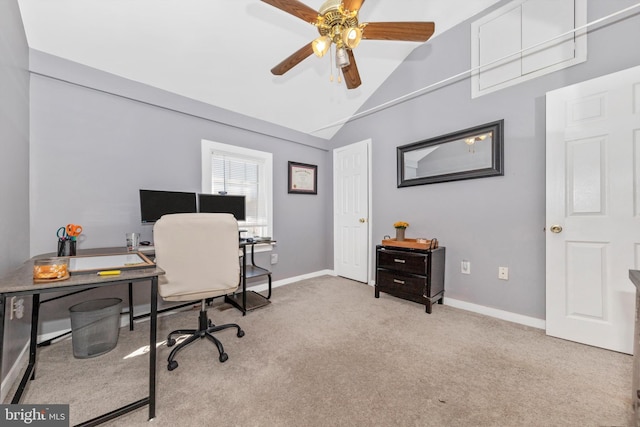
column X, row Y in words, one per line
column 239, row 175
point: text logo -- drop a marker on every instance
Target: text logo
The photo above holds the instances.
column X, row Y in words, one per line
column 34, row 415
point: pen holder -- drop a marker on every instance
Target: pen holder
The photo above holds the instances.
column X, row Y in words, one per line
column 66, row 247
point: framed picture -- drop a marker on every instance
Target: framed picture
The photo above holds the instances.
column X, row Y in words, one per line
column 303, row 178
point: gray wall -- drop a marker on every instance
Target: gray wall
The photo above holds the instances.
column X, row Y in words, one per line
column 14, row 134
column 97, row 139
column 14, row 161
column 491, row 222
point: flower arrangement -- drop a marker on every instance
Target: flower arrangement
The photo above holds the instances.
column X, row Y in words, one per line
column 401, row 224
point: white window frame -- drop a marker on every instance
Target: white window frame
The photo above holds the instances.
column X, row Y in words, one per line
column 208, row 148
column 580, row 48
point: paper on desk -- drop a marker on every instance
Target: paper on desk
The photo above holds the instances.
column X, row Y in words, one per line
column 105, row 262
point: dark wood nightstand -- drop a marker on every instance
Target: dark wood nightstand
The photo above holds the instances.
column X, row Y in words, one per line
column 412, row 274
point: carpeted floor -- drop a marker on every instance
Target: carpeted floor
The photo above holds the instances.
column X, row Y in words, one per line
column 327, row 353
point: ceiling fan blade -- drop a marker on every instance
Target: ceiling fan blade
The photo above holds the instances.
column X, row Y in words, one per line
column 350, row 72
column 292, row 60
column 352, row 5
column 408, row 31
column 295, row 8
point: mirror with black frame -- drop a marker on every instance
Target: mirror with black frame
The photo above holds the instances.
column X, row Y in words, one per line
column 471, row 153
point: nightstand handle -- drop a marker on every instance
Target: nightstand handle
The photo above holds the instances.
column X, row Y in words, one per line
column 401, row 261
column 401, row 282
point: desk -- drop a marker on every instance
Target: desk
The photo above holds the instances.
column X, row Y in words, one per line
column 20, row 283
column 244, row 301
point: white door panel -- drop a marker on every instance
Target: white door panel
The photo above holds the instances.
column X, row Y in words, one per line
column 593, row 131
column 351, row 211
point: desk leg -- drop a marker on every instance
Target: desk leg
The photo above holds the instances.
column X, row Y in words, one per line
column 30, row 373
column 244, row 280
column 131, row 306
column 35, row 314
column 253, row 262
column 269, row 293
column 152, row 347
column 3, row 301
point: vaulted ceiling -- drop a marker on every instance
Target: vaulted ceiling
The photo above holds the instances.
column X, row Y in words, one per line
column 221, row 51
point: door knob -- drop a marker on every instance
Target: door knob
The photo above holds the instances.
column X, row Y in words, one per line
column 362, row 220
column 556, row 229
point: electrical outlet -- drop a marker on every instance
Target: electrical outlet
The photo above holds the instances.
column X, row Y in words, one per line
column 274, row 258
column 503, row 273
column 465, row 267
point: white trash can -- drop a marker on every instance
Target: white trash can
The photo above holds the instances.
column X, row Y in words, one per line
column 95, row 326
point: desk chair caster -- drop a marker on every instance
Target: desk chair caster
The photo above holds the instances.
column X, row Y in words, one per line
column 205, row 330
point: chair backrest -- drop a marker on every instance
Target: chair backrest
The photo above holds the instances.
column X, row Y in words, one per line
column 199, row 253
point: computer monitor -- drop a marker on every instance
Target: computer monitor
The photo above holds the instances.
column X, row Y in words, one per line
column 218, row 203
column 154, row 204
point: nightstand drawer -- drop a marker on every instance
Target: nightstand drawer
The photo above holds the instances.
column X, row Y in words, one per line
column 394, row 282
column 412, row 274
column 403, row 261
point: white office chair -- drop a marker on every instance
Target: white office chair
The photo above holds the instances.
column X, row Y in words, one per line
column 199, row 253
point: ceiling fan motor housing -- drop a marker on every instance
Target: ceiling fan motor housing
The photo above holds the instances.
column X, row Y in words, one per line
column 332, row 20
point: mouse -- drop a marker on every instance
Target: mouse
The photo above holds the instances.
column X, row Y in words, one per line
column 145, row 243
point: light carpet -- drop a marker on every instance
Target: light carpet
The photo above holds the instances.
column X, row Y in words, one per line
column 327, row 353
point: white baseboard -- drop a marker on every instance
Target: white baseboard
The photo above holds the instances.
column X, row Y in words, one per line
column 498, row 314
column 492, row 312
column 275, row 284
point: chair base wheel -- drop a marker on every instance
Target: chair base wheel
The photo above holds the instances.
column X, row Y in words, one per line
column 206, row 329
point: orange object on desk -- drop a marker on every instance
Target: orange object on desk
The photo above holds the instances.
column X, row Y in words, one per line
column 50, row 268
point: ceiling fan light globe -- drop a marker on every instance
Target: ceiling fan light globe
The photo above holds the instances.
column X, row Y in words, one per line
column 351, row 37
column 321, row 46
column 342, row 58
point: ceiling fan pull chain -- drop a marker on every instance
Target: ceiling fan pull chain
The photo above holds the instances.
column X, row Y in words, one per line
column 331, row 64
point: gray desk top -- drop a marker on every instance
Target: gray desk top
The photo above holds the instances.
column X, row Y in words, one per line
column 634, row 275
column 20, row 281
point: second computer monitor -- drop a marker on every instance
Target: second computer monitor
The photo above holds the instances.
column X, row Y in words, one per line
column 218, row 203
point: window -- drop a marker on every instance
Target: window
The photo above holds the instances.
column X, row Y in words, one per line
column 520, row 41
column 241, row 171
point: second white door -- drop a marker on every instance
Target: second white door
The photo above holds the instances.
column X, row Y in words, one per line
column 351, row 211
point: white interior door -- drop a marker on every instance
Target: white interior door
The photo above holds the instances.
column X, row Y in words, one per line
column 593, row 203
column 351, row 211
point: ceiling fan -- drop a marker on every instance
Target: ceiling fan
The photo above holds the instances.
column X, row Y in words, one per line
column 337, row 23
